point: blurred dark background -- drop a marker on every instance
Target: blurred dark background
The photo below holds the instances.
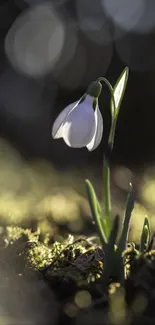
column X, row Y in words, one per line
column 49, row 53
column 51, row 50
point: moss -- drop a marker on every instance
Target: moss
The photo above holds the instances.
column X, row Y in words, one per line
column 12, row 234
column 77, row 264
column 78, row 259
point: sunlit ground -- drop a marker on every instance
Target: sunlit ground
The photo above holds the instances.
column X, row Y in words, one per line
column 33, row 194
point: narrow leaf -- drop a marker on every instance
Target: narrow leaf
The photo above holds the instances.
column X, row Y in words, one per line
column 125, row 225
column 113, row 236
column 151, row 242
column 95, row 209
column 145, row 236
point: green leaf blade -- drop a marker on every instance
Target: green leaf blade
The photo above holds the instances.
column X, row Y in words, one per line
column 96, row 212
column 125, row 225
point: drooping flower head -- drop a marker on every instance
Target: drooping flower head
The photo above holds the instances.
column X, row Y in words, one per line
column 80, row 124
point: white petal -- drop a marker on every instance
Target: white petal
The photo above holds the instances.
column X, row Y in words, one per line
column 79, row 126
column 119, row 88
column 57, row 129
column 94, row 143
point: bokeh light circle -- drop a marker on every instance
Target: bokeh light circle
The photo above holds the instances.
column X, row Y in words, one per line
column 125, row 14
column 93, row 22
column 35, row 40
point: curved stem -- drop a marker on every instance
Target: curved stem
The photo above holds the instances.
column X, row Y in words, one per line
column 113, row 109
column 113, row 113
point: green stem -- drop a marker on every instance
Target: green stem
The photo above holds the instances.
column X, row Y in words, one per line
column 114, row 113
column 112, row 133
column 106, row 192
column 113, row 108
column 106, row 168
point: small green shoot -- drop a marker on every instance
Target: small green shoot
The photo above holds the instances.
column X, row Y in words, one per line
column 122, row 244
column 125, row 225
column 145, row 236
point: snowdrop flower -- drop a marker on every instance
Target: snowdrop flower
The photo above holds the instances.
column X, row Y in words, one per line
column 80, row 124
